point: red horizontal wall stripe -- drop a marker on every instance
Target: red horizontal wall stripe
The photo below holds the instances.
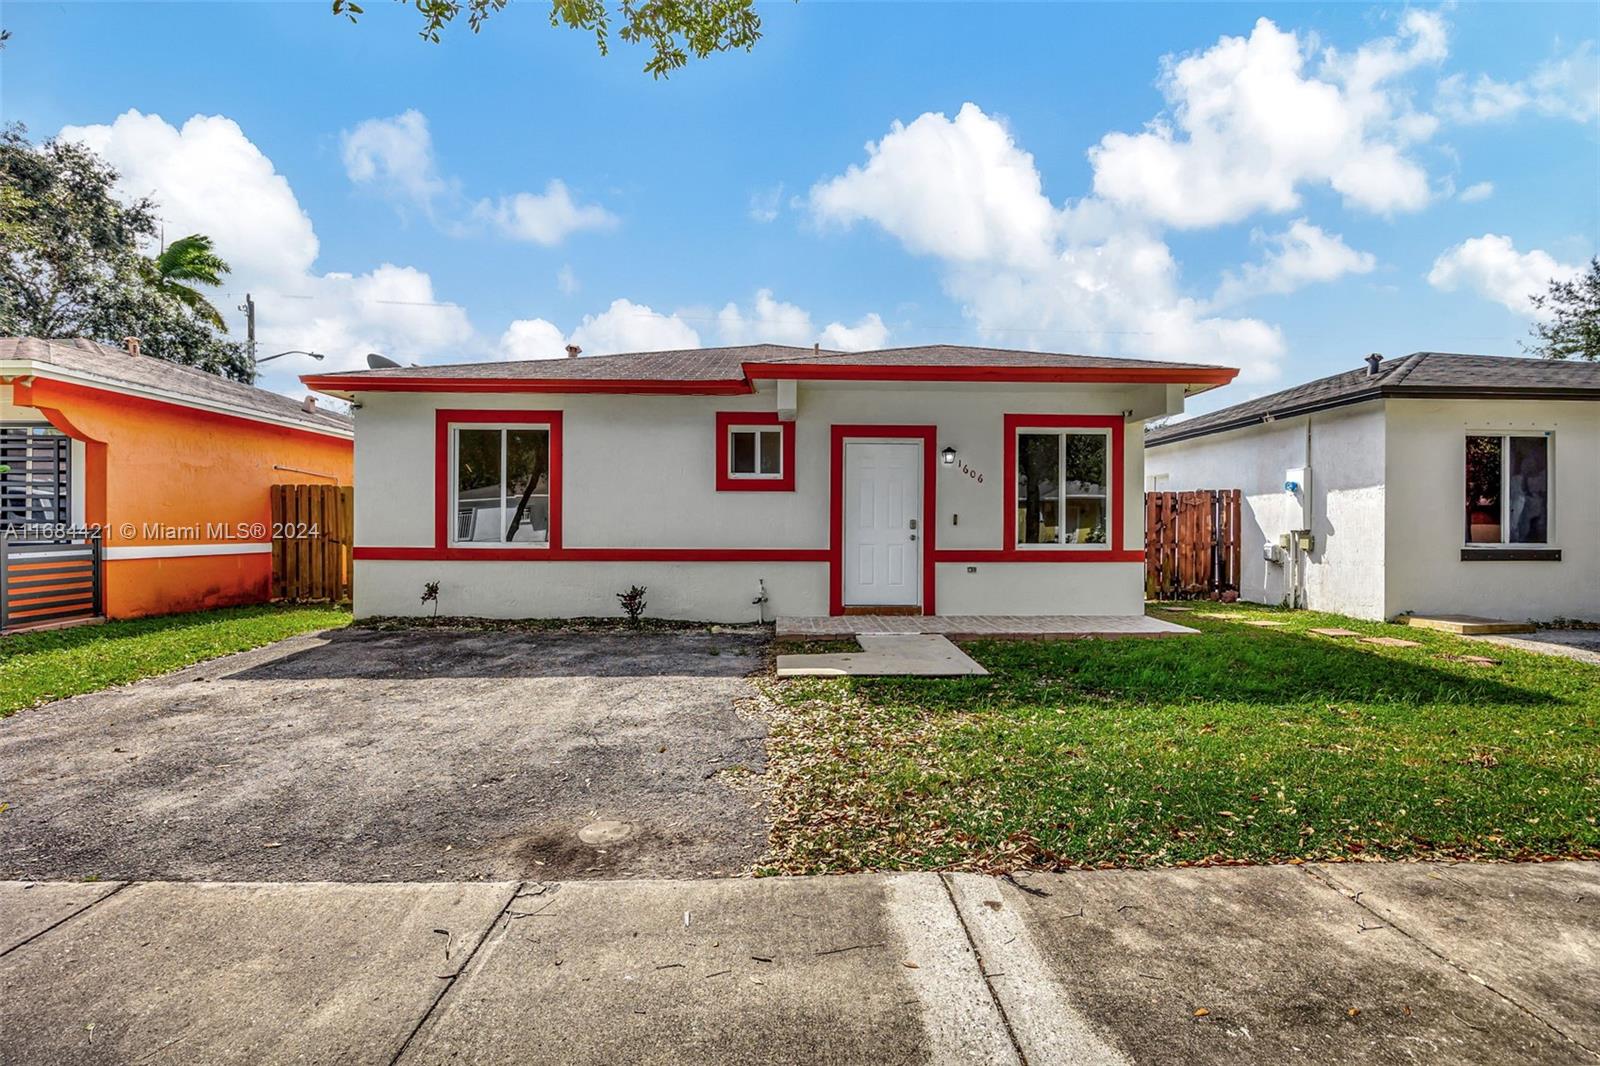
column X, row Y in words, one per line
column 600, row 555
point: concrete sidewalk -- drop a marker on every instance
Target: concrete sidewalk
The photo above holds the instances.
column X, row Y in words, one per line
column 1347, row 964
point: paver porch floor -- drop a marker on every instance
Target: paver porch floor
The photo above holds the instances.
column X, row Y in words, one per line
column 971, row 626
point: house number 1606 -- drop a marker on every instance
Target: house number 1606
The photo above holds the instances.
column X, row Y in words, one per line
column 967, row 470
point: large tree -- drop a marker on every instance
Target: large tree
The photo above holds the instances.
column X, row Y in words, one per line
column 72, row 265
column 1573, row 329
column 672, row 29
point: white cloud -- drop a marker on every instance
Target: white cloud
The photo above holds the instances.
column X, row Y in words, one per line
column 961, row 190
column 764, row 204
column 1252, row 120
column 1476, row 193
column 544, row 218
column 629, row 327
column 395, row 156
column 1089, row 277
column 1301, row 255
column 200, row 174
column 567, row 281
column 770, row 321
column 865, row 335
column 1492, row 267
column 532, row 338
column 1564, row 86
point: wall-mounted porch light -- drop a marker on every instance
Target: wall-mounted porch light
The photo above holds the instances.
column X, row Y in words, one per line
column 949, row 456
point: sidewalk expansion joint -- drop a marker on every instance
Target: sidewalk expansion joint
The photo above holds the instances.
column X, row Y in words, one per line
column 450, row 980
column 68, row 918
column 1331, row 882
column 1011, row 1034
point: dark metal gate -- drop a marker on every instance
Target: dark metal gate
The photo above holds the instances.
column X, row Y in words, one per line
column 49, row 572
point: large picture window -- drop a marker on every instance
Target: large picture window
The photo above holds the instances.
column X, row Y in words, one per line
column 500, row 484
column 1062, row 487
column 1508, row 489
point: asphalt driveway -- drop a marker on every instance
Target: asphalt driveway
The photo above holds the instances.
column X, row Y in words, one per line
column 361, row 755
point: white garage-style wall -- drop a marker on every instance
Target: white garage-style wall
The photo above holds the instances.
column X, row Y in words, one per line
column 639, row 474
column 1345, row 449
column 1426, row 465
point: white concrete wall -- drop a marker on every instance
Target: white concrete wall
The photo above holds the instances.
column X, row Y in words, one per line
column 1427, row 492
column 1346, row 448
column 639, row 472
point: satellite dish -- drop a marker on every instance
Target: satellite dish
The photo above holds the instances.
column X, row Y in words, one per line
column 380, row 362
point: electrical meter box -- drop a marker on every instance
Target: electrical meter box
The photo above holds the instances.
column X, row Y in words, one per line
column 1297, row 486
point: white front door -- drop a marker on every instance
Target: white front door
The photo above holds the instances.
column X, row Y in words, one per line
column 882, row 512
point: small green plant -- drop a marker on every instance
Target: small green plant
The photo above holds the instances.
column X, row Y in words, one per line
column 633, row 604
column 430, row 593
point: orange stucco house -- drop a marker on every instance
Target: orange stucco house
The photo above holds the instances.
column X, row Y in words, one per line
column 171, row 466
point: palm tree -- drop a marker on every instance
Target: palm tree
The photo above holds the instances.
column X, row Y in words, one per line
column 183, row 264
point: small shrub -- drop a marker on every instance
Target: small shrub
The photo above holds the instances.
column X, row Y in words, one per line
column 430, row 593
column 633, row 604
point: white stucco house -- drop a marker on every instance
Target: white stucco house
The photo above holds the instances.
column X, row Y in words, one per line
column 1429, row 484
column 937, row 479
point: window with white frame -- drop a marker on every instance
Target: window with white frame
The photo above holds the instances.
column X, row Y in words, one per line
column 1061, row 486
column 500, row 487
column 1508, row 488
column 755, row 452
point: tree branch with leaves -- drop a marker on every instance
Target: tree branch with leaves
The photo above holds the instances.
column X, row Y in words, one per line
column 673, row 30
column 1572, row 328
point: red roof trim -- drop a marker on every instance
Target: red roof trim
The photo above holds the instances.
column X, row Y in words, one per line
column 1178, row 375
column 713, row 387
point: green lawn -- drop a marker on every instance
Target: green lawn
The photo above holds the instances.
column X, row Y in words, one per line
column 1240, row 744
column 36, row 667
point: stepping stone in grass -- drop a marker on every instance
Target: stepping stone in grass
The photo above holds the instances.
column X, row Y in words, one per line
column 1391, row 642
column 1218, row 615
column 1263, row 623
column 1475, row 660
column 1174, row 608
column 1334, row 631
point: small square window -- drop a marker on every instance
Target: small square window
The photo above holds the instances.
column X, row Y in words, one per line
column 755, row 453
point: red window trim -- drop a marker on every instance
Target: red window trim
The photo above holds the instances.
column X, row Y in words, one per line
column 726, row 482
column 1115, row 550
column 443, row 420
column 928, row 435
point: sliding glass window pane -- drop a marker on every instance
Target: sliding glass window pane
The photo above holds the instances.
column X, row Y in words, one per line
column 1086, row 464
column 1528, row 489
column 1483, row 490
column 1084, row 520
column 528, row 486
column 1038, row 488
column 744, row 452
column 771, row 445
column 478, row 485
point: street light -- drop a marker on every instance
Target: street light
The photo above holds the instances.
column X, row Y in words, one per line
column 293, row 351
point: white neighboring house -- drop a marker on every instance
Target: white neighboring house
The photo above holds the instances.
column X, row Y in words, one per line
column 1430, row 484
column 935, row 480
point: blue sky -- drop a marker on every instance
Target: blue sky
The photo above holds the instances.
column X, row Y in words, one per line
column 1183, row 181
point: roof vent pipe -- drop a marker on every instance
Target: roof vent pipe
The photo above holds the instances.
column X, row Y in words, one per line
column 1373, row 362
column 132, row 344
column 573, row 351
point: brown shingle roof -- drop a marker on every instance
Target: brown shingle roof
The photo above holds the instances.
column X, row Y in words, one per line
column 1421, row 375
column 728, row 364
column 183, row 383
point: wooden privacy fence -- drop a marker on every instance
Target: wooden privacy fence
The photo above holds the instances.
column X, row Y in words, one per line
column 312, row 532
column 1191, row 544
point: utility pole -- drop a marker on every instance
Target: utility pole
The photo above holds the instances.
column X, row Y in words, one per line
column 249, row 309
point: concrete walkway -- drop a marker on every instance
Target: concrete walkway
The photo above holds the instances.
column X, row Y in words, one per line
column 1326, row 964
